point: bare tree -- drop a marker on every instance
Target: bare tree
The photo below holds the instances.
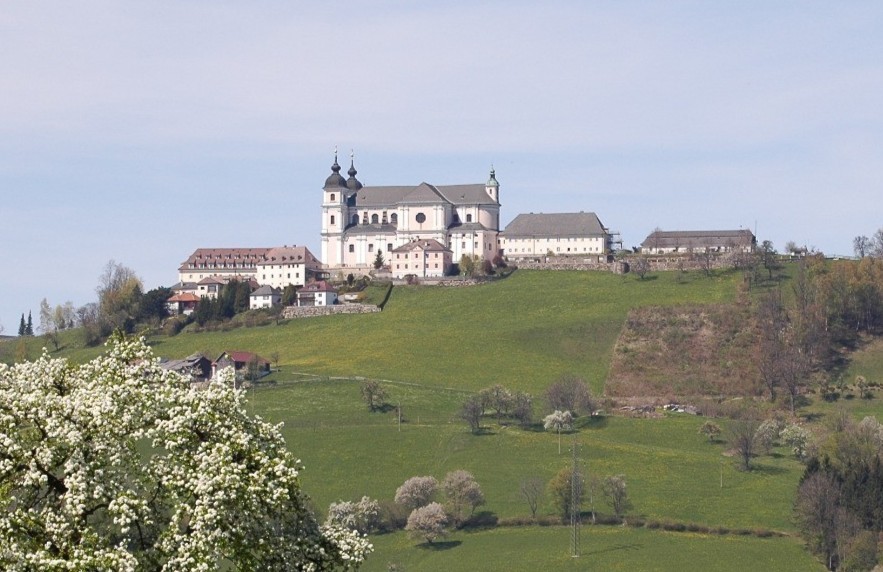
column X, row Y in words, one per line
column 818, row 510
column 373, row 394
column 615, row 490
column 522, row 408
column 471, row 412
column 861, row 245
column 570, row 393
column 532, row 490
column 743, row 440
column 640, row 265
column 769, row 257
column 877, row 244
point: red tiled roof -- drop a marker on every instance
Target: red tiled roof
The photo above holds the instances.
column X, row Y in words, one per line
column 184, row 297
column 320, row 286
column 245, row 357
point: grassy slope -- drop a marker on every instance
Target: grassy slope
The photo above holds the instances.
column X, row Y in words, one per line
column 602, row 548
column 672, row 472
column 524, row 331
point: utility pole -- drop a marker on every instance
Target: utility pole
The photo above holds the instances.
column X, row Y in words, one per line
column 575, row 494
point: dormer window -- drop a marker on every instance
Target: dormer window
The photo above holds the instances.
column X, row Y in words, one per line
column 469, row 218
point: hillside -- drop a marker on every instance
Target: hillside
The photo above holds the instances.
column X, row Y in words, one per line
column 685, row 351
column 524, row 331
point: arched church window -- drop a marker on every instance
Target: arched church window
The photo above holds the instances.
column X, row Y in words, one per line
column 332, row 197
column 355, row 219
column 332, row 219
column 394, row 218
column 374, row 219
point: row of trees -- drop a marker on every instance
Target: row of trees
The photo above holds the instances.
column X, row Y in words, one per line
column 839, row 505
column 565, row 484
column 834, row 303
column 459, row 493
column 865, row 246
column 569, row 393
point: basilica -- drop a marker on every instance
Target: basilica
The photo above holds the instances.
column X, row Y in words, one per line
column 360, row 221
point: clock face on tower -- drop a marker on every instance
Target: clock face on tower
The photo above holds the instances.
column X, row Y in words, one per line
column 421, row 218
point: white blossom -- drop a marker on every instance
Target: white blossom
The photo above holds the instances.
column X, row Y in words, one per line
column 118, row 464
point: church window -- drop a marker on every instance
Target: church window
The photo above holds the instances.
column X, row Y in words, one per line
column 374, row 219
column 469, row 218
column 332, row 197
column 421, row 218
column 371, row 246
column 389, row 247
column 352, row 248
column 332, row 219
column 394, row 218
column 355, row 219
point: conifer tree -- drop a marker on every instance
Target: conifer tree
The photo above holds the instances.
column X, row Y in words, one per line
column 22, row 328
column 29, row 329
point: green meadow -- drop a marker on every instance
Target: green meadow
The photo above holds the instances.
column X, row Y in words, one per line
column 431, row 347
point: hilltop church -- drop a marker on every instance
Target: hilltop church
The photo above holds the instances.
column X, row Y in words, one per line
column 360, row 221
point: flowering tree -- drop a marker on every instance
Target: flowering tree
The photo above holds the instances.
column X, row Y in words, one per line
column 362, row 516
column 427, row 521
column 120, row 465
column 463, row 492
column 416, row 492
column 558, row 421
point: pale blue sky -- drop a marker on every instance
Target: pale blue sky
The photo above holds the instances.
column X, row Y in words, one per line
column 139, row 131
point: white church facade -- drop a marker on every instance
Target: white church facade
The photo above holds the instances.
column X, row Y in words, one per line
column 360, row 221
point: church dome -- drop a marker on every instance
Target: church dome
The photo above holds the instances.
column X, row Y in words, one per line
column 353, row 183
column 335, row 179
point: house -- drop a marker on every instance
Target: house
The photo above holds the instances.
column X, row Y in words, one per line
column 562, row 234
column 210, row 286
column 265, row 297
column 241, row 362
column 287, row 265
column 423, row 258
column 182, row 303
column 317, row 294
column 277, row 267
column 688, row 241
column 360, row 221
column 196, row 366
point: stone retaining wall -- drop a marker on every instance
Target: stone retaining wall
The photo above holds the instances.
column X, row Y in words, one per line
column 564, row 263
column 312, row 311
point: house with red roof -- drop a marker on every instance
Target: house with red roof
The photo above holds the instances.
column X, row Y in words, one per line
column 319, row 293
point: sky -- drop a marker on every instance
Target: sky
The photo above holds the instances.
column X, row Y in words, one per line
column 139, row 131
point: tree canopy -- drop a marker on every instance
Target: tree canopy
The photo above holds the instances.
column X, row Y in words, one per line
column 118, row 464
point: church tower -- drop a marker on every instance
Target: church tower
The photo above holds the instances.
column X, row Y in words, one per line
column 334, row 214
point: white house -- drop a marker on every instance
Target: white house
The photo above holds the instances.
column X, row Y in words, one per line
column 317, row 294
column 265, row 297
column 423, row 258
